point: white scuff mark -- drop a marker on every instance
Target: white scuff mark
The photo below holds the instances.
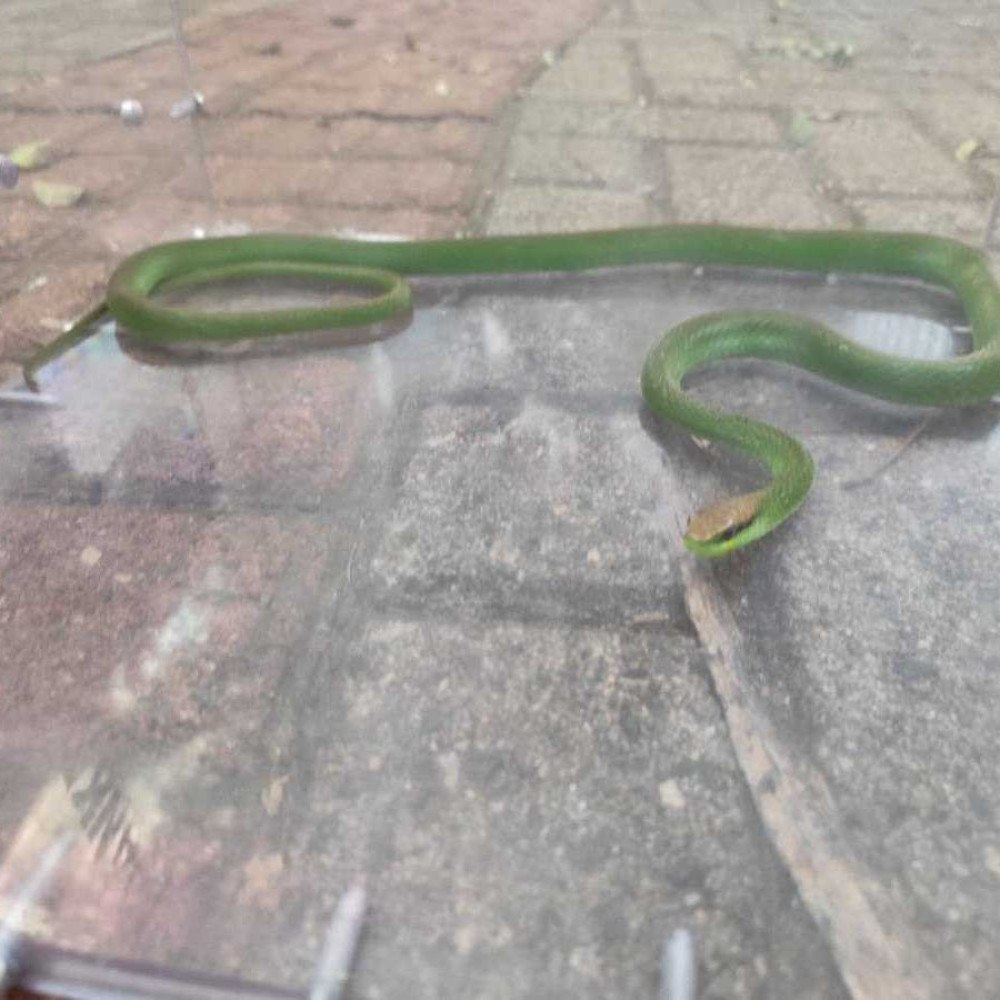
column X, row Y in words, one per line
column 187, row 626
column 385, row 381
column 496, row 340
column 147, row 789
column 122, row 696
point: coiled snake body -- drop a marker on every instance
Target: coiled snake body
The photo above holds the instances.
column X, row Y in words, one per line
column 379, row 267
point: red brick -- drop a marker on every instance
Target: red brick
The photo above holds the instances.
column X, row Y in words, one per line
column 433, row 184
column 415, row 223
column 365, row 126
column 36, row 315
column 262, row 136
column 24, row 226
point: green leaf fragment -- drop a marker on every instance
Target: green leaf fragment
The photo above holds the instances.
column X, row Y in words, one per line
column 52, row 194
column 967, row 149
column 31, row 155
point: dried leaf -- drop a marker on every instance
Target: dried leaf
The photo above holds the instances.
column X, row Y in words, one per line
column 52, row 194
column 31, row 155
column 967, row 149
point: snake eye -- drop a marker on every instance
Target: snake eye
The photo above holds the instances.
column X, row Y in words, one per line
column 719, row 527
column 731, row 532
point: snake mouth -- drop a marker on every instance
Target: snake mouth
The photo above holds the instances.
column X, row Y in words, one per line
column 724, row 525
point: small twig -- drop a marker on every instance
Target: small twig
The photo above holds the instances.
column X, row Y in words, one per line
column 892, row 459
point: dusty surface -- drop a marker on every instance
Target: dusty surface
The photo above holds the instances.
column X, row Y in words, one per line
column 418, row 610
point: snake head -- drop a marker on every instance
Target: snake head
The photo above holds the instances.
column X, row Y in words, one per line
column 724, row 525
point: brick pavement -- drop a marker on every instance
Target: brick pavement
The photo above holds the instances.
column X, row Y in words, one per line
column 679, row 111
column 321, row 117
column 662, row 110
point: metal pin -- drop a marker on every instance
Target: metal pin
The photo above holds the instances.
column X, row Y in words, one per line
column 131, row 112
column 20, row 397
column 678, row 974
column 12, row 924
column 193, row 104
column 341, row 945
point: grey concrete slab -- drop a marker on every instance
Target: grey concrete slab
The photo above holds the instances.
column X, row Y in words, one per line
column 752, row 187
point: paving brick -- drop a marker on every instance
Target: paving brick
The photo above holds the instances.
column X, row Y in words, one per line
column 264, row 136
column 39, row 313
column 24, row 226
column 790, row 75
column 960, row 219
column 830, row 102
column 710, row 125
column 542, row 116
column 687, row 58
column 957, row 114
column 430, row 100
column 656, row 10
column 745, row 186
column 400, row 82
column 158, row 136
column 62, row 132
column 426, row 184
column 742, row 94
column 393, row 220
column 607, row 163
column 545, row 208
column 888, row 156
column 598, row 71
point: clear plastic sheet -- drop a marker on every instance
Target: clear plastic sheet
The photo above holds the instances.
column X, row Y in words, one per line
column 414, row 612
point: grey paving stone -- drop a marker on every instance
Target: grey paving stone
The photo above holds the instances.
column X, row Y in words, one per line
column 741, row 186
column 722, row 126
column 656, row 10
column 895, row 703
column 533, row 801
column 546, row 117
column 690, row 57
column 585, row 542
column 542, row 207
column 959, row 219
column 597, row 70
column 46, row 36
column 958, row 114
column 888, row 156
column 604, row 163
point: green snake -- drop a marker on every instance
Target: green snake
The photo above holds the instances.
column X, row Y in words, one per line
column 379, row 268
